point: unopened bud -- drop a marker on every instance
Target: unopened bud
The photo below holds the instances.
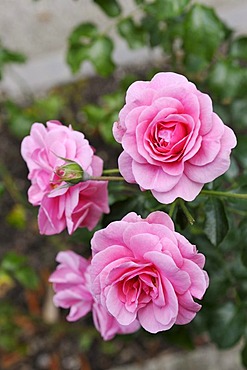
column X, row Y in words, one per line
column 70, row 172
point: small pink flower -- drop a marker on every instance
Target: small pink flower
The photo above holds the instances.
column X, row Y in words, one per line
column 61, row 205
column 173, row 141
column 71, row 282
column 143, row 270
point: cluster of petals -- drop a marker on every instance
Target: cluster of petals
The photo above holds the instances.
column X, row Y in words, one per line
column 143, row 270
column 71, row 282
column 173, row 143
column 61, row 205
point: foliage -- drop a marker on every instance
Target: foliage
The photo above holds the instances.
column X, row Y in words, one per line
column 8, row 56
column 194, row 41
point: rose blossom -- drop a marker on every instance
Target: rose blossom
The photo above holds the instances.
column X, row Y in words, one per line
column 173, row 141
column 142, row 269
column 71, row 282
column 61, row 205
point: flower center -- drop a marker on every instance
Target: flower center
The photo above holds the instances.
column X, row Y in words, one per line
column 137, row 291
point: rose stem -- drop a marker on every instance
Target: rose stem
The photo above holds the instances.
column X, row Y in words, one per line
column 113, row 170
column 188, row 215
column 226, row 194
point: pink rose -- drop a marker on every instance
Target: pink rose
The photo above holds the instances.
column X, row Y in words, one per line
column 71, row 282
column 61, row 205
column 142, row 269
column 173, row 141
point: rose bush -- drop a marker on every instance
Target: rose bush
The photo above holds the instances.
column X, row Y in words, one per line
column 61, row 205
column 71, row 282
column 142, row 269
column 173, row 141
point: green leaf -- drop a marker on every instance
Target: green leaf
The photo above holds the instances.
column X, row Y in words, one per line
column 238, row 48
column 216, row 224
column 203, row 34
column 244, row 355
column 227, row 325
column 12, row 261
column 110, row 7
column 166, row 9
column 240, row 151
column 18, row 266
column 219, row 284
column 87, row 43
column 228, row 81
column 239, row 113
column 132, row 33
column 99, row 54
column 8, row 56
column 17, row 216
column 83, row 34
column 27, row 277
column 243, row 233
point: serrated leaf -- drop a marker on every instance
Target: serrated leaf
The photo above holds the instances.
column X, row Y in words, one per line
column 110, row 7
column 227, row 325
column 203, row 34
column 216, row 224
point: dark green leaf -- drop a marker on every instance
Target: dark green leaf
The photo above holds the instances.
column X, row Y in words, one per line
column 238, row 48
column 9, row 56
column 86, row 43
column 240, row 151
column 154, row 29
column 227, row 325
column 27, row 277
column 12, row 262
column 219, row 284
column 203, row 34
column 228, row 81
column 99, row 54
column 243, row 233
column 110, row 7
column 166, row 9
column 180, row 336
column 216, row 224
column 244, row 355
column 83, row 33
column 132, row 33
column 18, row 266
column 239, row 113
